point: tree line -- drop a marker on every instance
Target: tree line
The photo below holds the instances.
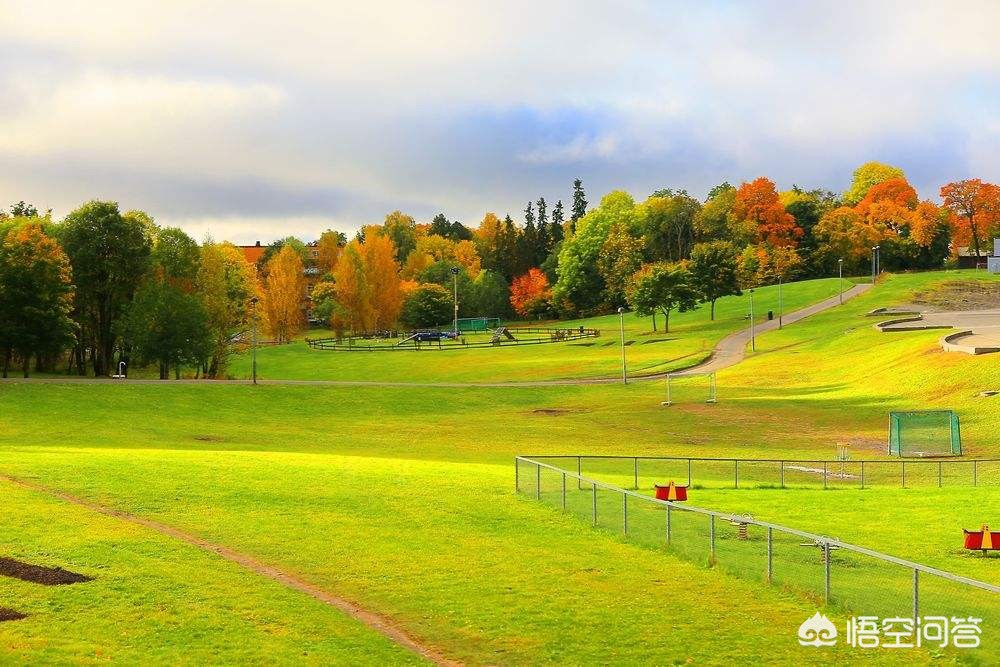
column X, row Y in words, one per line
column 104, row 286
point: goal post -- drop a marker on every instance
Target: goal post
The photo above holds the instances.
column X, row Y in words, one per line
column 919, row 433
column 690, row 387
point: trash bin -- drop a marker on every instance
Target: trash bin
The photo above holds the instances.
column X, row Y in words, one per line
column 770, row 314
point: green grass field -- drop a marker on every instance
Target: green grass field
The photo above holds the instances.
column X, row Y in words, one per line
column 402, row 499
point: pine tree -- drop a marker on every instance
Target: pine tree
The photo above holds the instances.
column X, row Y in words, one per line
column 579, row 204
column 528, row 244
column 556, row 228
column 542, row 249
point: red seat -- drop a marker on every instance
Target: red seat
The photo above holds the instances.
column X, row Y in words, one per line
column 664, row 492
column 982, row 539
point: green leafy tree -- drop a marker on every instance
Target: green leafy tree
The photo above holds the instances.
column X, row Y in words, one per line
column 665, row 287
column 225, row 283
column 711, row 223
column 402, row 230
column 272, row 250
column 714, row 270
column 580, row 285
column 619, row 258
column 36, row 296
column 669, row 225
column 488, row 296
column 109, row 253
column 168, row 327
column 177, row 255
column 428, row 305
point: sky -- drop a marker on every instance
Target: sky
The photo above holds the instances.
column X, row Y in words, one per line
column 255, row 120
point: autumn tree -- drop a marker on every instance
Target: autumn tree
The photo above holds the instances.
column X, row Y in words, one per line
column 401, row 230
column 328, row 249
column 758, row 207
column 36, row 296
column 711, row 223
column 975, row 206
column 530, row 293
column 225, row 283
column 382, row 278
column 847, row 234
column 284, row 290
column 669, row 225
column 353, row 292
column 714, row 270
column 109, row 252
column 867, row 175
column 665, row 287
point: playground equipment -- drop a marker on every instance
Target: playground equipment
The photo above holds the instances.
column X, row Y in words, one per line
column 696, row 383
column 499, row 334
column 429, row 336
column 120, row 375
column 920, row 433
column 489, row 338
column 981, row 540
column 671, row 492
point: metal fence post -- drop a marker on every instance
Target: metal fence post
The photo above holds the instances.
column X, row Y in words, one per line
column 902, row 468
column 916, row 595
column 564, row 492
column 975, row 473
column 736, row 473
column 579, row 473
column 826, row 561
column 782, row 474
column 689, row 472
column 538, row 482
column 939, row 474
column 824, row 474
column 624, row 513
column 862, row 474
column 635, row 472
column 770, row 555
column 595, row 503
column 517, row 475
column 668, row 524
column 711, row 534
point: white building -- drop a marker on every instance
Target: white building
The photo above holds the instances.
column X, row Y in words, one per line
column 993, row 263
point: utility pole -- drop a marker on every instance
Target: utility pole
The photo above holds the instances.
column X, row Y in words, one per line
column 621, row 322
column 840, row 273
column 454, row 279
column 753, row 337
column 253, row 326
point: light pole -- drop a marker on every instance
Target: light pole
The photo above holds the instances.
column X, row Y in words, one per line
column 874, row 263
column 454, row 278
column 840, row 274
column 253, row 349
column 779, row 301
column 621, row 323
column 753, row 338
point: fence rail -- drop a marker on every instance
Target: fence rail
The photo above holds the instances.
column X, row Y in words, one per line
column 846, row 576
column 783, row 473
column 538, row 336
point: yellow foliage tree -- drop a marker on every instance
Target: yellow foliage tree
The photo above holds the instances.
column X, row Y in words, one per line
column 353, row 292
column 382, row 276
column 284, row 293
column 328, row 248
column 467, row 255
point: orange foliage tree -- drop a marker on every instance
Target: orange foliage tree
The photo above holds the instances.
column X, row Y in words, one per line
column 759, row 206
column 284, row 293
column 530, row 293
column 975, row 208
column 353, row 291
column 382, row 277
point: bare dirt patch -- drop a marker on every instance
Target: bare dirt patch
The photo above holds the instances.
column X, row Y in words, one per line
column 208, row 438
column 10, row 615
column 556, row 412
column 38, row 574
column 960, row 295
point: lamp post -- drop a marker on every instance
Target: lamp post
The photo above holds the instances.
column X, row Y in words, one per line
column 840, row 275
column 454, row 278
column 753, row 338
column 875, row 253
column 621, row 323
column 779, row 301
column 253, row 349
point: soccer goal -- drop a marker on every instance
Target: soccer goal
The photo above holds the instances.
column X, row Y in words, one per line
column 924, row 433
column 690, row 388
column 478, row 323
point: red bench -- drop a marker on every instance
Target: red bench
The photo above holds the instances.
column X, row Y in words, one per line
column 982, row 540
column 671, row 492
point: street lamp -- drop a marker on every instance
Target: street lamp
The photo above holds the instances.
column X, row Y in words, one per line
column 875, row 254
column 454, row 279
column 253, row 352
column 840, row 274
column 621, row 323
column 753, row 338
column 779, row 300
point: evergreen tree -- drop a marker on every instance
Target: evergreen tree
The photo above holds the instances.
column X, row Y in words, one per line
column 556, row 229
column 542, row 250
column 528, row 245
column 579, row 204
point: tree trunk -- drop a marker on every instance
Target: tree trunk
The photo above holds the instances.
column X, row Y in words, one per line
column 177, row 372
column 654, row 321
column 6, row 361
column 163, row 371
column 713, row 310
column 975, row 238
column 26, row 364
column 666, row 320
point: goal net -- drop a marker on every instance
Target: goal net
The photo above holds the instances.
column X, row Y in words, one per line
column 478, row 323
column 924, row 433
column 690, row 388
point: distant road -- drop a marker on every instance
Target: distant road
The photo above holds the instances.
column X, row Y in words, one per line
column 730, row 351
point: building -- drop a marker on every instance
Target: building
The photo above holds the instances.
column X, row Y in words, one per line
column 993, row 263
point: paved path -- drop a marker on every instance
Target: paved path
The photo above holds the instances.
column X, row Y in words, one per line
column 729, row 351
column 732, row 349
column 965, row 319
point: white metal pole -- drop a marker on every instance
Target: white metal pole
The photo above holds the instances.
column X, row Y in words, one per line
column 454, row 276
column 253, row 354
column 621, row 322
column 840, row 273
column 753, row 339
column 779, row 301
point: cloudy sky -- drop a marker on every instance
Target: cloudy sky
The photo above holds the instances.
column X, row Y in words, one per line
column 253, row 120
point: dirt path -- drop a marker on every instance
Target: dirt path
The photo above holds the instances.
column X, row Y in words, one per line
column 729, row 351
column 380, row 624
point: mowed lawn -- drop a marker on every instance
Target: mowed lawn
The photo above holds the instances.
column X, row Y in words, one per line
column 402, row 499
column 690, row 340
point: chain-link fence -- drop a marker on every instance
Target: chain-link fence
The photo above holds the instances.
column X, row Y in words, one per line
column 849, row 578
column 641, row 471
